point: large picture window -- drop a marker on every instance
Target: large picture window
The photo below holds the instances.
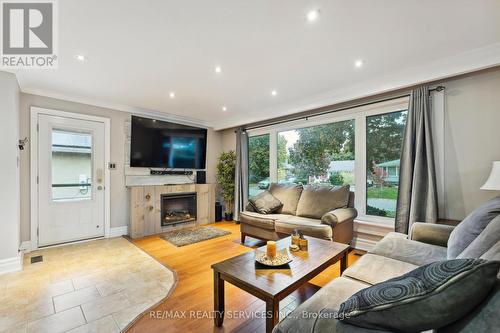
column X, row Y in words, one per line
column 360, row 147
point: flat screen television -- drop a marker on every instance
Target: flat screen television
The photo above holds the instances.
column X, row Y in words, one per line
column 161, row 144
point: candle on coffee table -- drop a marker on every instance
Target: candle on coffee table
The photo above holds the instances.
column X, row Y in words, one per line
column 271, row 249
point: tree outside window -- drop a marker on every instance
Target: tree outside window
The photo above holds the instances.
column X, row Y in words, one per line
column 322, row 154
column 258, row 164
column 384, row 139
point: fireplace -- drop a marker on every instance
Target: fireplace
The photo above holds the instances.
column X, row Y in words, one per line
column 178, row 208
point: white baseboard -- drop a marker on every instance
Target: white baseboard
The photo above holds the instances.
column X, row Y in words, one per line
column 363, row 244
column 25, row 247
column 118, row 231
column 14, row 264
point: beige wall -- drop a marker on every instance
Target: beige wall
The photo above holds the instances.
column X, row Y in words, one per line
column 228, row 138
column 9, row 170
column 471, row 143
column 214, row 148
column 472, row 140
column 119, row 193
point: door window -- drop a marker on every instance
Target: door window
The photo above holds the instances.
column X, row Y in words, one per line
column 71, row 165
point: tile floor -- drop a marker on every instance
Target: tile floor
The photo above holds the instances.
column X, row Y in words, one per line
column 98, row 286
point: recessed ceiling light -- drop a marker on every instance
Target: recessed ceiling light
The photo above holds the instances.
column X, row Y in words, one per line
column 218, row 69
column 358, row 63
column 313, row 15
column 274, row 93
column 224, row 108
column 80, row 57
column 172, row 94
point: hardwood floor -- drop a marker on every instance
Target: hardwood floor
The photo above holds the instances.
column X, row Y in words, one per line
column 188, row 309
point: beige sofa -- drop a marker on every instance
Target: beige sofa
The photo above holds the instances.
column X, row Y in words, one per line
column 394, row 255
column 318, row 211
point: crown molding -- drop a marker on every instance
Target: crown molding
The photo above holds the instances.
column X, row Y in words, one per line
column 160, row 115
column 441, row 69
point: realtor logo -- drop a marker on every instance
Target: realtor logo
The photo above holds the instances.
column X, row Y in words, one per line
column 28, row 34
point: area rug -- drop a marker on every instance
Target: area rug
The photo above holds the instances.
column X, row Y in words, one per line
column 186, row 237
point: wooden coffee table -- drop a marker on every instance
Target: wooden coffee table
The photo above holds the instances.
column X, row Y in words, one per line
column 273, row 285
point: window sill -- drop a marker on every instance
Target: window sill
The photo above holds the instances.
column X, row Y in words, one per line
column 376, row 221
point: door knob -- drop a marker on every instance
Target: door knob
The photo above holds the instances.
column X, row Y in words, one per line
column 99, row 188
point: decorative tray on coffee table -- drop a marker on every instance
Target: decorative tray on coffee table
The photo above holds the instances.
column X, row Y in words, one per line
column 282, row 258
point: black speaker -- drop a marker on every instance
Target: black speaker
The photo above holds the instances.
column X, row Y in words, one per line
column 218, row 212
column 201, row 177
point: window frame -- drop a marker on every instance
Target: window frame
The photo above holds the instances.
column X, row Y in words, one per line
column 359, row 115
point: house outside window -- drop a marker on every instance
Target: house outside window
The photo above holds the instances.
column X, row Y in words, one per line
column 384, row 137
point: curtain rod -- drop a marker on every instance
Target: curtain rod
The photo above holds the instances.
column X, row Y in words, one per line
column 278, row 122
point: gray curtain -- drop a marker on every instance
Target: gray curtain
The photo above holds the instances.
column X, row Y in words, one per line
column 417, row 197
column 241, row 174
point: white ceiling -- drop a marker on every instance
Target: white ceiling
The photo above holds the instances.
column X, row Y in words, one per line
column 139, row 51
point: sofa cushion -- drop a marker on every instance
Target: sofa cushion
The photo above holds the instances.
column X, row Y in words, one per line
column 428, row 297
column 303, row 318
column 373, row 269
column 485, row 241
column 265, row 202
column 493, row 254
column 289, row 195
column 467, row 230
column 316, row 201
column 308, row 226
column 396, row 246
column 265, row 221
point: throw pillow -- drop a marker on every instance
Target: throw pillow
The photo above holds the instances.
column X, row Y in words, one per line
column 289, row 195
column 316, row 201
column 428, row 297
column 265, row 203
column 485, row 241
column 467, row 230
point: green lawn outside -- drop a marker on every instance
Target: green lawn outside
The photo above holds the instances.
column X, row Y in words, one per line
column 383, row 192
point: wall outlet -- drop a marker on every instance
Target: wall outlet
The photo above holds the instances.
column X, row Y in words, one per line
column 111, row 165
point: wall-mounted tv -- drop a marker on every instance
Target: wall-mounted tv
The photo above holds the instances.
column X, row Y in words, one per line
column 161, row 144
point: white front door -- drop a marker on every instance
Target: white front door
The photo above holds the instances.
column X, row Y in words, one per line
column 71, row 164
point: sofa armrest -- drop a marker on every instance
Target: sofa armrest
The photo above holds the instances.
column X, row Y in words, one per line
column 430, row 233
column 339, row 215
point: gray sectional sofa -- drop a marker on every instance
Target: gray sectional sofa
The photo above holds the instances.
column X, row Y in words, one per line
column 393, row 256
column 325, row 212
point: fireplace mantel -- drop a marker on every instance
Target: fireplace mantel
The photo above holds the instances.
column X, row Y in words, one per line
column 145, row 207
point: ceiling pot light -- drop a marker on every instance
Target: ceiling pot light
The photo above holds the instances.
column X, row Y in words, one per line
column 172, row 94
column 80, row 57
column 218, row 69
column 313, row 15
column 358, row 63
column 224, row 108
column 274, row 93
